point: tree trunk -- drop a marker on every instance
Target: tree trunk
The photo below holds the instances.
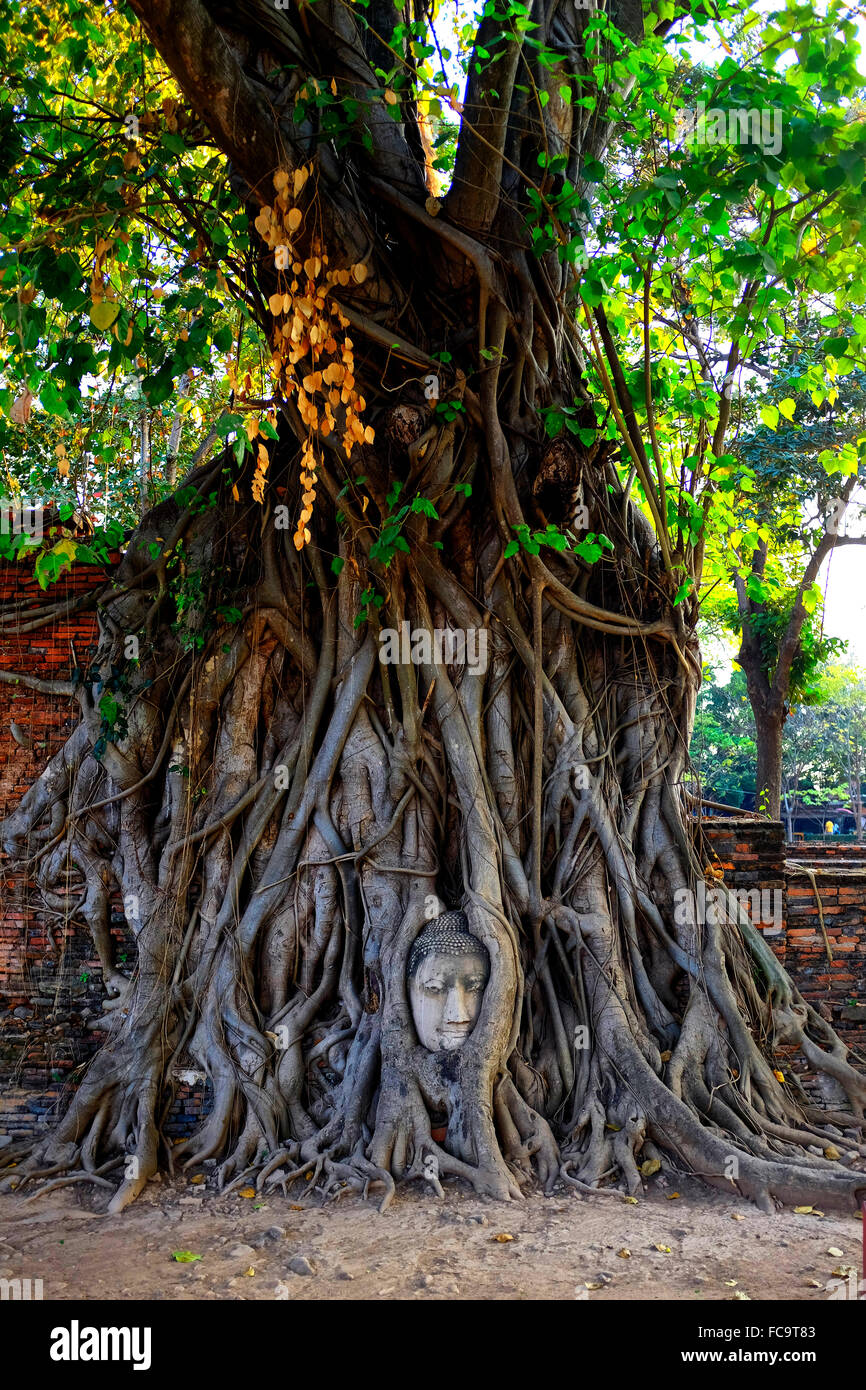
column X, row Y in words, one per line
column 768, row 771
column 284, row 805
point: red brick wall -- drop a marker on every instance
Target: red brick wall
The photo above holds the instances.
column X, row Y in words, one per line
column 50, row 979
column 753, row 853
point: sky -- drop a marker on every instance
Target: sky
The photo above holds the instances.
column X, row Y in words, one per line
column 844, row 576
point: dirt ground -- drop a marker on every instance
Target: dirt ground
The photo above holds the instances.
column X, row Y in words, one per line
column 697, row 1245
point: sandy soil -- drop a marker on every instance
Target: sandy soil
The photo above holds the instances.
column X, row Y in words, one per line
column 717, row 1247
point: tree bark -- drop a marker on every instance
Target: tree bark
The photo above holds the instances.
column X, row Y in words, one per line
column 769, row 730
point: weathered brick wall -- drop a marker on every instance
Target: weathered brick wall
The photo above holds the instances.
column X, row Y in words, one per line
column 820, row 851
column 51, row 989
column 50, row 983
column 752, row 853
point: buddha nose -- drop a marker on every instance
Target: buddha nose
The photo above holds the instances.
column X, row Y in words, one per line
column 456, row 1009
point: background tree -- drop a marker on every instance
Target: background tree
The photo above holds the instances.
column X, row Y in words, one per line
column 467, row 411
column 723, row 751
column 797, row 498
column 823, row 747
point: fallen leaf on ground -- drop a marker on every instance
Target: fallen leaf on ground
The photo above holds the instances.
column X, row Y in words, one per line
column 624, row 1254
column 185, row 1257
column 835, row 1252
column 502, row 1237
column 247, row 1192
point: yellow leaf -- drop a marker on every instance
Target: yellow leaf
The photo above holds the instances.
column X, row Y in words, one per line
column 300, row 178
column 247, row 1192
column 249, row 1272
column 281, row 180
column 737, row 1216
column 631, row 1201
column 652, row 1165
column 804, row 1211
column 391, row 97
column 502, row 1238
column 433, row 206
column 832, row 1152
column 359, row 273
column 666, row 1056
column 102, row 315
column 664, row 1249
column 199, row 1178
column 19, row 411
column 624, row 1254
column 275, row 304
column 672, row 1196
column 68, row 549
column 779, row 1075
column 294, row 219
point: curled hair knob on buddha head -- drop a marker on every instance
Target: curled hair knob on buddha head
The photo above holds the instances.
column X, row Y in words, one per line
column 447, row 935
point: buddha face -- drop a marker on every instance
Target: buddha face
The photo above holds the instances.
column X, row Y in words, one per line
column 445, row 992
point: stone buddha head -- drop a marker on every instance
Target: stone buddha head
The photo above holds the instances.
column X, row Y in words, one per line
column 448, row 971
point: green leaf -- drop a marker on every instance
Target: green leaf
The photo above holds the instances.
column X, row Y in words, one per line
column 425, row 507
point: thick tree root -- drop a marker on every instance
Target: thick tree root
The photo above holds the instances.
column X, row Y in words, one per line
column 283, row 813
